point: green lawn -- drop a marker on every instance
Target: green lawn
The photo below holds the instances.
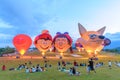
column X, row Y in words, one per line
column 103, row 73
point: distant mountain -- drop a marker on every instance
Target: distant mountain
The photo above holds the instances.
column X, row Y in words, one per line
column 114, row 44
column 115, row 40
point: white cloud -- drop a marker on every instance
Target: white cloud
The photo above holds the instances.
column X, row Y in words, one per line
column 5, row 36
column 107, row 15
column 4, row 24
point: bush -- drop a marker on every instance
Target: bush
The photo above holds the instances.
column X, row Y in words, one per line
column 6, row 50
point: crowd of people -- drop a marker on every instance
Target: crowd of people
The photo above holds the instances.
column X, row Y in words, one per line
column 72, row 68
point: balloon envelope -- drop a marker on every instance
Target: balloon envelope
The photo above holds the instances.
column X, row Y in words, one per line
column 43, row 42
column 78, row 45
column 22, row 42
column 91, row 40
column 62, row 42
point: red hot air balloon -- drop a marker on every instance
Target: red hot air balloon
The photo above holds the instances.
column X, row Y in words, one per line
column 22, row 42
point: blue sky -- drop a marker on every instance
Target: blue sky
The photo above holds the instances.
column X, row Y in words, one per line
column 32, row 16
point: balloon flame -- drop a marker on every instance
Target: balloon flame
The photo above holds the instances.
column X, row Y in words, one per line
column 22, row 51
column 43, row 53
column 61, row 54
column 96, row 51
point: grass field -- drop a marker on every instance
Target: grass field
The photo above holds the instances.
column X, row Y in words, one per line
column 103, row 73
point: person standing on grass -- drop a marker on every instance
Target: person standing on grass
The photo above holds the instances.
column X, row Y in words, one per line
column 109, row 64
column 91, row 63
column 59, row 65
column 88, row 68
column 75, row 63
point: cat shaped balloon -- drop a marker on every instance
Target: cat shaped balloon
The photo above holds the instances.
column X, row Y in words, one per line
column 92, row 41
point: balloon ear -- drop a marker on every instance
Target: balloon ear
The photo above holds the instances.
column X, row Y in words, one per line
column 101, row 31
column 82, row 30
column 58, row 33
column 66, row 33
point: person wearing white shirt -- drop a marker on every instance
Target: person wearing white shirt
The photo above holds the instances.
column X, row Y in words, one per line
column 109, row 64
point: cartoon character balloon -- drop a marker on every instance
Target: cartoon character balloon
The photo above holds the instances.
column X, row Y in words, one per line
column 43, row 42
column 92, row 41
column 62, row 42
column 22, row 42
column 79, row 46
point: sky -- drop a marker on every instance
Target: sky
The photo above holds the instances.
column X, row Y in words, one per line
column 32, row 16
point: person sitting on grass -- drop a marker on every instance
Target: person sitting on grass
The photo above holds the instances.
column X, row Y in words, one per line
column 21, row 66
column 27, row 70
column 38, row 69
column 70, row 72
column 3, row 68
column 30, row 70
column 11, row 69
column 74, row 72
column 43, row 69
column 62, row 69
column 33, row 69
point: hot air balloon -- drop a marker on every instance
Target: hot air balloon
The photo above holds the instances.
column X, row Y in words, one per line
column 62, row 42
column 107, row 42
column 78, row 45
column 43, row 42
column 91, row 40
column 22, row 43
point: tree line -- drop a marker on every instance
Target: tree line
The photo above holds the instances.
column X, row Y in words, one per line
column 6, row 50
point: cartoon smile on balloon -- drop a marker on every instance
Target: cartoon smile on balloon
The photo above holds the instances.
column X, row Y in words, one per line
column 22, row 42
column 62, row 42
column 43, row 42
column 92, row 41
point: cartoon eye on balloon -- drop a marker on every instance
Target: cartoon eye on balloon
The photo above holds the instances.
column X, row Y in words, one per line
column 92, row 36
column 22, row 43
column 62, row 42
column 43, row 42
